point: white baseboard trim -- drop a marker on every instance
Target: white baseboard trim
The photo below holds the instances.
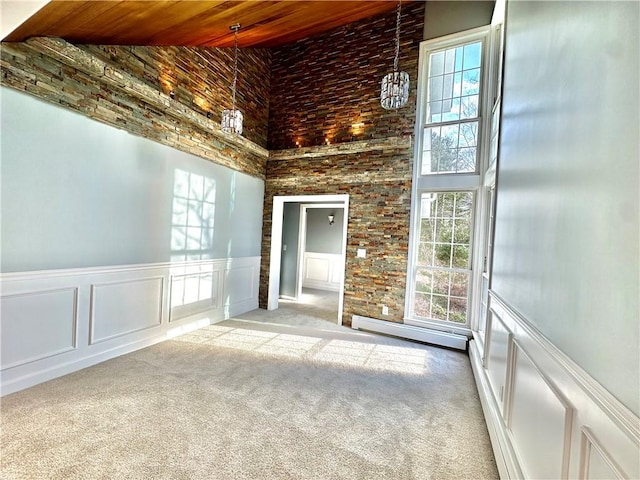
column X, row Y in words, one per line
column 505, row 456
column 401, row 330
column 58, row 370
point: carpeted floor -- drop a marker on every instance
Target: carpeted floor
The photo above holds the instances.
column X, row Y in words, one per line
column 254, row 399
column 318, row 304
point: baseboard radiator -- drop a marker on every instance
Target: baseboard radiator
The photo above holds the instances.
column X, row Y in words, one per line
column 410, row 332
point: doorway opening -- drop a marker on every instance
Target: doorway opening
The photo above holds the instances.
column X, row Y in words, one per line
column 308, row 251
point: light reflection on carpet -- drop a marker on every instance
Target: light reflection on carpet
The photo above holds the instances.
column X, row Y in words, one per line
column 391, row 358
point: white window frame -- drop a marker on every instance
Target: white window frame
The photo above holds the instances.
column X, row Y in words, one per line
column 453, row 181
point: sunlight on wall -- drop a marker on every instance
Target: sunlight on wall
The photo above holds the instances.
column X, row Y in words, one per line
column 345, row 353
column 232, row 208
column 192, row 225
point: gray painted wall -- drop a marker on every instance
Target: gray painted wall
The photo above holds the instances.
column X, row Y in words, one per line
column 77, row 193
column 446, row 17
column 289, row 258
column 322, row 237
column 567, row 248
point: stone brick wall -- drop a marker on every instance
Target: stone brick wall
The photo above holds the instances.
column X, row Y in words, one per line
column 328, row 86
column 379, row 187
column 128, row 87
column 201, row 79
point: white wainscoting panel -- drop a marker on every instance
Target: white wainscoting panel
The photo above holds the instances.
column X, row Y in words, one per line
column 124, row 307
column 557, row 421
column 317, row 269
column 497, row 359
column 322, row 271
column 235, row 278
column 37, row 325
column 240, row 292
column 55, row 322
column 539, row 421
column 597, row 463
column 196, row 289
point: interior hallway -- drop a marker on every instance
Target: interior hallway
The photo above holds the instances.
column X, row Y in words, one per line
column 314, row 309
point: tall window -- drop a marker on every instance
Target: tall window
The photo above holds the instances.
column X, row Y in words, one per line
column 450, row 159
column 443, row 268
column 450, row 138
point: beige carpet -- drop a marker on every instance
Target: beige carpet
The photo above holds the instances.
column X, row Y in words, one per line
column 249, row 400
column 319, row 304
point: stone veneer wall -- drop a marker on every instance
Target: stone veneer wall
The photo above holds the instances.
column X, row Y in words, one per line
column 379, row 187
column 328, row 86
column 201, row 79
column 128, row 87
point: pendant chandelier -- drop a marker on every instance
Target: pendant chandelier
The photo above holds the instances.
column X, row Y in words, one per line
column 395, row 86
column 232, row 119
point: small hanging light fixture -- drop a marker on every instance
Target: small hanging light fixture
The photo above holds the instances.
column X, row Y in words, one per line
column 232, row 119
column 395, row 86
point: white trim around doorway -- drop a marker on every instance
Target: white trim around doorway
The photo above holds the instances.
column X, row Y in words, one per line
column 276, row 242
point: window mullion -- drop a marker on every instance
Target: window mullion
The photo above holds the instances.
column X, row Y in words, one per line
column 453, row 122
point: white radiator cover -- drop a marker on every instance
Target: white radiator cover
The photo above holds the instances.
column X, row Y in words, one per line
column 402, row 330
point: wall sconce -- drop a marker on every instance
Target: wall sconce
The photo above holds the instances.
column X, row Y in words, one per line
column 331, row 217
column 357, row 128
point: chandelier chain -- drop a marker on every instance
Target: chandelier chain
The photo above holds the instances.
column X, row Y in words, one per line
column 395, row 60
column 394, row 91
column 235, row 66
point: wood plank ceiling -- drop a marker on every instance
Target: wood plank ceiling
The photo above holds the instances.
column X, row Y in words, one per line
column 193, row 23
